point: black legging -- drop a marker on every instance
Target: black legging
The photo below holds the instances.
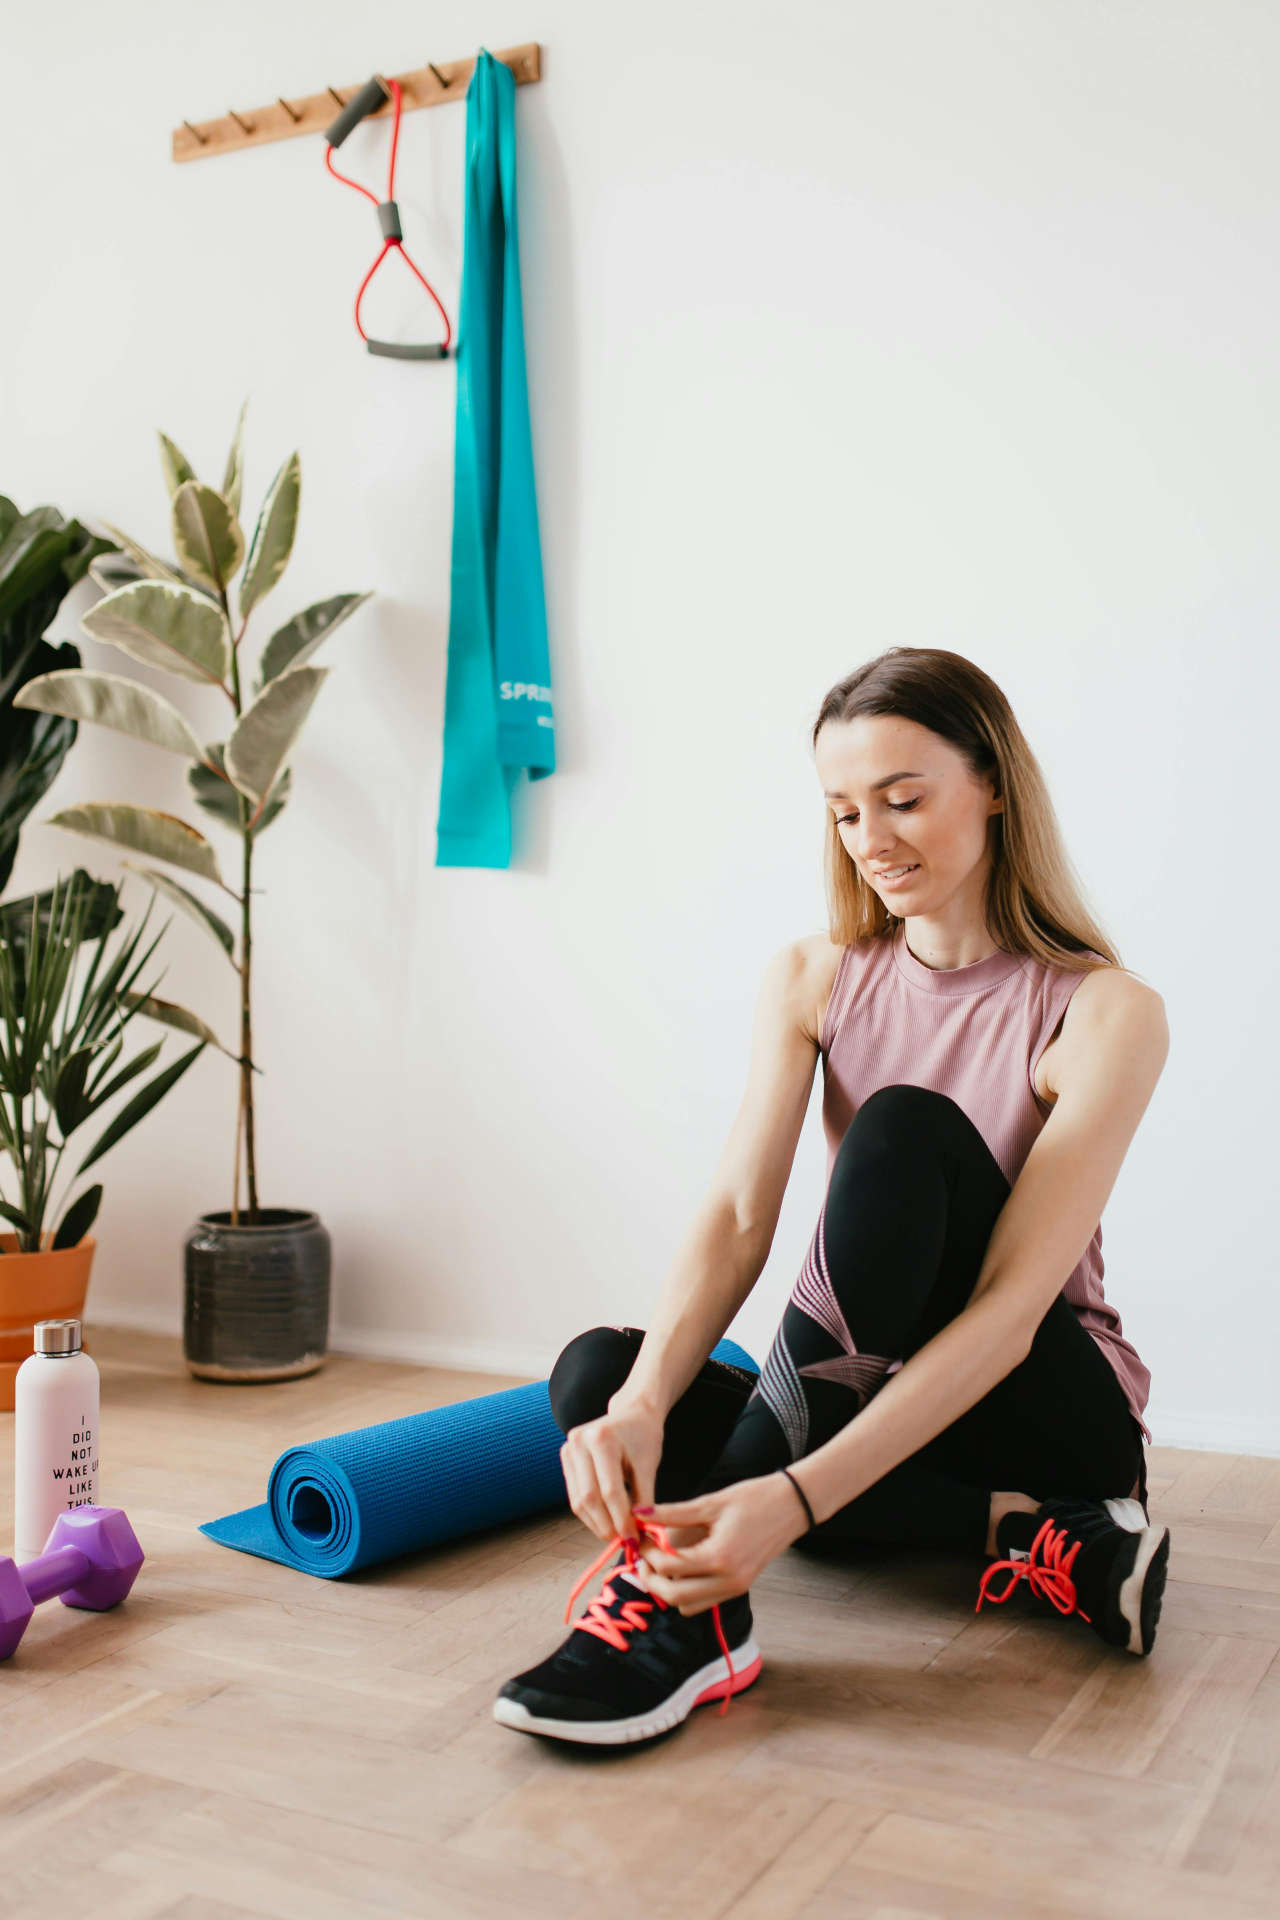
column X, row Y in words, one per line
column 913, row 1198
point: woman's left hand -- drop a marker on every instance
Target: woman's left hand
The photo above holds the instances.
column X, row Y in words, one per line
column 745, row 1526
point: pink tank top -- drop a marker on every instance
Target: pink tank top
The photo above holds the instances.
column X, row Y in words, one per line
column 975, row 1033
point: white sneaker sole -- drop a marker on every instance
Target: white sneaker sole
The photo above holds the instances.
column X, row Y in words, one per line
column 1129, row 1515
column 1130, row 1597
column 709, row 1683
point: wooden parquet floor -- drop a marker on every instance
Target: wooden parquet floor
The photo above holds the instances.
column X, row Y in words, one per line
column 241, row 1739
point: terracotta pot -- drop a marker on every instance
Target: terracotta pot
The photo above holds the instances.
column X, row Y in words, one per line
column 37, row 1286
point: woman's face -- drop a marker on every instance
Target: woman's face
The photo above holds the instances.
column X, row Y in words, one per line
column 903, row 796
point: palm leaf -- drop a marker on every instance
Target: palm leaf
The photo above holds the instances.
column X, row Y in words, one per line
column 140, row 1105
column 78, row 1219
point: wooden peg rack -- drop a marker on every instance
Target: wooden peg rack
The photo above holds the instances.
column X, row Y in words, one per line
column 429, row 86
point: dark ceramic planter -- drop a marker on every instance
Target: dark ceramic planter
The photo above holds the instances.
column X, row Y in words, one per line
column 257, row 1298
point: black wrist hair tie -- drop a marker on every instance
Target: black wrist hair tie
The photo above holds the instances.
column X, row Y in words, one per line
column 800, row 1490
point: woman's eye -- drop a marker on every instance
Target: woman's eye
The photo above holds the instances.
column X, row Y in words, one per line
column 902, row 806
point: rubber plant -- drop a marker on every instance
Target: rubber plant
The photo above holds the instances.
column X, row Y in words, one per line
column 178, row 616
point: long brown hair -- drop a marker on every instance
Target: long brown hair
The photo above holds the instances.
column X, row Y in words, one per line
column 1034, row 903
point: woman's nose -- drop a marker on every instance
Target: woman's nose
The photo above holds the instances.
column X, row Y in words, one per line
column 872, row 852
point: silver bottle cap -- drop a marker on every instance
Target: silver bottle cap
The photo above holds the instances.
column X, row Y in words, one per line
column 57, row 1336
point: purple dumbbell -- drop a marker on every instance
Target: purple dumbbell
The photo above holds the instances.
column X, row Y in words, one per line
column 90, row 1559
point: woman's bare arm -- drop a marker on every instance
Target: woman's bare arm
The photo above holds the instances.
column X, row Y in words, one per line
column 724, row 1252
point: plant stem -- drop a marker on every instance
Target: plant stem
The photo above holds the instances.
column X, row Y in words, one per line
column 50, row 1211
column 24, row 1175
column 235, row 1164
column 246, row 1029
column 245, row 1108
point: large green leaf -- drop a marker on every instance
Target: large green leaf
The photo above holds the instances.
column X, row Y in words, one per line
column 110, row 700
column 206, row 535
column 161, row 836
column 78, row 1219
column 141, row 1104
column 177, row 468
column 171, row 1015
column 102, row 911
column 218, row 797
column 102, row 1092
column 165, row 626
column 264, row 734
column 41, row 556
column 33, row 746
column 273, row 536
column 234, row 473
column 203, row 917
column 70, row 1102
column 298, row 639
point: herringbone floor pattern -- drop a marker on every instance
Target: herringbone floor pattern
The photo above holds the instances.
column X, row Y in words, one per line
column 240, row 1739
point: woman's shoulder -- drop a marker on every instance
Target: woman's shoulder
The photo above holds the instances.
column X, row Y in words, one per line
column 817, row 959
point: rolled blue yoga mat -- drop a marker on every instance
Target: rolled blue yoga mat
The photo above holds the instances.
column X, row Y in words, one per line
column 357, row 1499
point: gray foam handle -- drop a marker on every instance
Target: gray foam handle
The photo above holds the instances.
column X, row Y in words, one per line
column 371, row 96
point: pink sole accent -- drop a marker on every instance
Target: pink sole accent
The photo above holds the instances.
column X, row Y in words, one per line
column 743, row 1677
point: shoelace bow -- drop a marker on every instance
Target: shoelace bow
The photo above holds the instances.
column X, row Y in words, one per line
column 1050, row 1575
column 630, row 1617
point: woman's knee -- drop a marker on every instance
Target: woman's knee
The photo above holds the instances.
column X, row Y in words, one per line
column 894, row 1131
column 587, row 1374
column 902, row 1120
column 901, row 1110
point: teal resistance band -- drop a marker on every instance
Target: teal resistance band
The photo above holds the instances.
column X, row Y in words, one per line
column 497, row 710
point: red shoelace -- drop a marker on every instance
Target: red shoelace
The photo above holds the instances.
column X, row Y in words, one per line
column 1049, row 1575
column 631, row 1616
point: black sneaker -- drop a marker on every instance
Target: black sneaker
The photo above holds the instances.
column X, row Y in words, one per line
column 1101, row 1559
column 633, row 1665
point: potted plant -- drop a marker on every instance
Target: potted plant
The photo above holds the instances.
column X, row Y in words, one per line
column 64, row 1008
column 42, row 556
column 256, row 1279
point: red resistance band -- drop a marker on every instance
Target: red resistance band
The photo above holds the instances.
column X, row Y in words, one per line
column 389, row 217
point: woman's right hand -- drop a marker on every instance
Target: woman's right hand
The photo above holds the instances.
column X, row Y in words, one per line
column 610, row 1466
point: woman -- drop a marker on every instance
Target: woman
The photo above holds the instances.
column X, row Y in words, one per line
column 947, row 1369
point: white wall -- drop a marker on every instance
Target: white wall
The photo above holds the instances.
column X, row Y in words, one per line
column 846, row 326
